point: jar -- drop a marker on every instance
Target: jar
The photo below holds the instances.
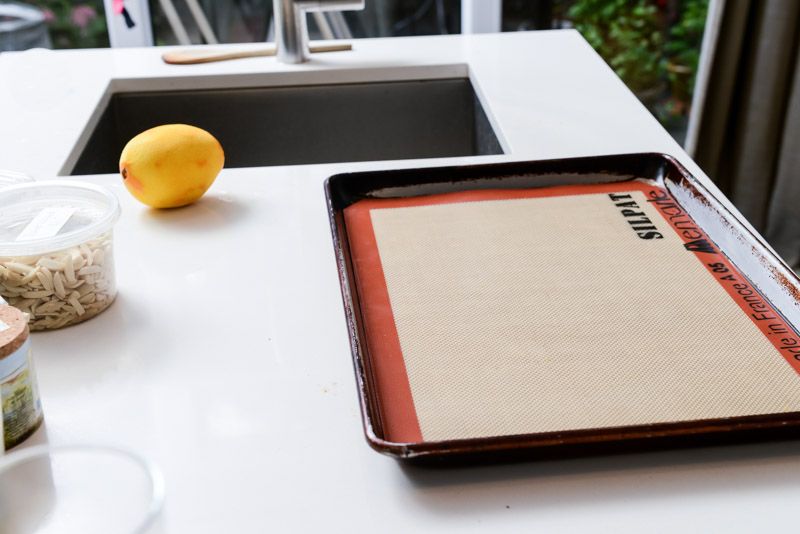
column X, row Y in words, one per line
column 56, row 255
column 19, row 394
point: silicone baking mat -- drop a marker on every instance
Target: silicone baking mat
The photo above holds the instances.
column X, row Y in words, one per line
column 504, row 312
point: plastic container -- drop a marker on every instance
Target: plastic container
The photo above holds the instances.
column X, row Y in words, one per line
column 56, row 255
column 79, row 489
column 20, row 406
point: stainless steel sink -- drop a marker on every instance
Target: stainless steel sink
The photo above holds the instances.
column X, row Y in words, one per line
column 305, row 124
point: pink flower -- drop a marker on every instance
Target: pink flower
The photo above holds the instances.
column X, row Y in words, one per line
column 49, row 16
column 83, row 15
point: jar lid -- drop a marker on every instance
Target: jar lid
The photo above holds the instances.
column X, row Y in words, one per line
column 13, row 326
column 42, row 217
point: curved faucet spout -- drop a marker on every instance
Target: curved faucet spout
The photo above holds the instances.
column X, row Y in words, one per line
column 291, row 30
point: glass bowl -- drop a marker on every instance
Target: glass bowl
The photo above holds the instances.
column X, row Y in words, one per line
column 86, row 489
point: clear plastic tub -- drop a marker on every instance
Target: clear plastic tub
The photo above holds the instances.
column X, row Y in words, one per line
column 56, row 254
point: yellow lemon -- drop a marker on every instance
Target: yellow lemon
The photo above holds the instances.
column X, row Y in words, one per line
column 171, row 165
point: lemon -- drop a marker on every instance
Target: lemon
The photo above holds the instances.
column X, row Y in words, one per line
column 171, row 165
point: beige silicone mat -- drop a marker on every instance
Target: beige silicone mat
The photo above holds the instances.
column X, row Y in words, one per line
column 544, row 314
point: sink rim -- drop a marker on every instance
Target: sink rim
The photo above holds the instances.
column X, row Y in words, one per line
column 308, row 78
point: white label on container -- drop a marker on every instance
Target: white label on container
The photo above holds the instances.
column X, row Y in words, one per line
column 47, row 223
column 3, row 326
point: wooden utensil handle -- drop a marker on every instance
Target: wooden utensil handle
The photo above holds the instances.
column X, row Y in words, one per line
column 190, row 57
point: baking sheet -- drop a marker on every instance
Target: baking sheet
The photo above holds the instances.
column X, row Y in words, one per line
column 763, row 286
column 505, row 312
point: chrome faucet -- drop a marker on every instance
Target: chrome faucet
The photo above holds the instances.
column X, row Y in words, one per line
column 291, row 30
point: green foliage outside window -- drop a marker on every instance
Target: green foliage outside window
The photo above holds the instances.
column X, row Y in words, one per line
column 628, row 36
column 75, row 24
column 653, row 45
column 683, row 47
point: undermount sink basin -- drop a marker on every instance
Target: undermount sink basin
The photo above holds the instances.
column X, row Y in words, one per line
column 305, row 124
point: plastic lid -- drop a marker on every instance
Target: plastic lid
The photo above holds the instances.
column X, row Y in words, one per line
column 8, row 178
column 42, row 217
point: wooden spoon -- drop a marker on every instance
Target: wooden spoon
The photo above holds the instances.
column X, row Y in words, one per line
column 191, row 57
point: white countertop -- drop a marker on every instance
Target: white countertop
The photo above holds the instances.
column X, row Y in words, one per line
column 225, row 358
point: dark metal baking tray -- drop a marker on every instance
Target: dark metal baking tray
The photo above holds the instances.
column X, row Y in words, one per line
column 776, row 282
